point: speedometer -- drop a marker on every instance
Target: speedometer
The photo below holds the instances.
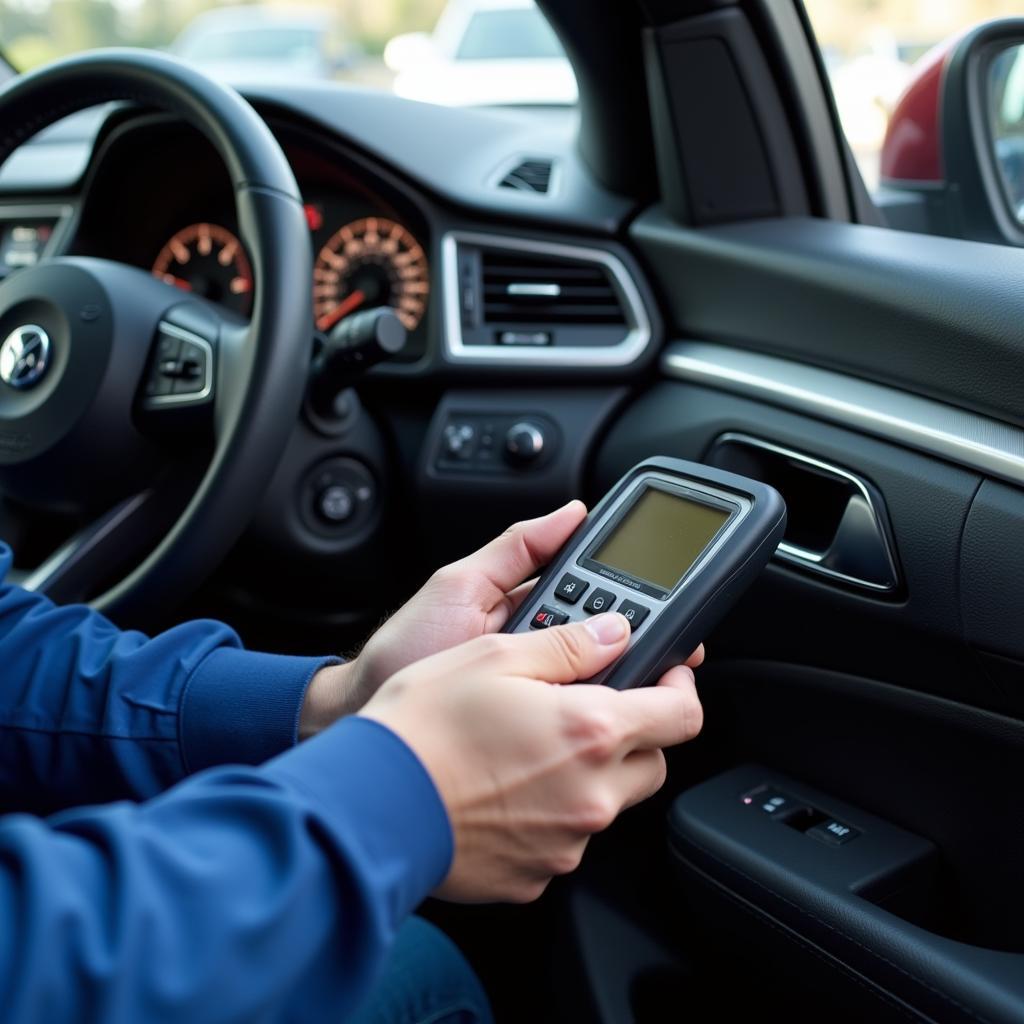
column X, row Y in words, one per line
column 370, row 262
column 208, row 260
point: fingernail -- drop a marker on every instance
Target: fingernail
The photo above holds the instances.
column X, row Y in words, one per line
column 608, row 629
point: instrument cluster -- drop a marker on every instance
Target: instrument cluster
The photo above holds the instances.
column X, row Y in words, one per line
column 159, row 199
column 365, row 263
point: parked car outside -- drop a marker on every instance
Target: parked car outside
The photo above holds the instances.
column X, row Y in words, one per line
column 484, row 53
column 257, row 45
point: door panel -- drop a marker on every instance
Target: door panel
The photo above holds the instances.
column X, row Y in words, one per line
column 934, row 316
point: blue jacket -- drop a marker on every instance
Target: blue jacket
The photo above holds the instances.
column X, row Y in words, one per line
column 241, row 893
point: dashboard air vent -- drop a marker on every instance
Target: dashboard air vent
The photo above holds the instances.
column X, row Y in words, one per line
column 521, row 288
column 535, row 302
column 529, row 176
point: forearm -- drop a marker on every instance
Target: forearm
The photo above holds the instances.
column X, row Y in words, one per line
column 90, row 713
column 241, row 894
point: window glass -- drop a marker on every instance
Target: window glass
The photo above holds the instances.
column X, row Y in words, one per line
column 509, row 35
column 870, row 48
column 455, row 52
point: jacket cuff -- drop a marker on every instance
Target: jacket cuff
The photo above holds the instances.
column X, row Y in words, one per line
column 378, row 802
column 240, row 707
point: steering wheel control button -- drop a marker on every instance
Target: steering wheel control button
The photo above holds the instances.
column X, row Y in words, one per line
column 524, row 443
column 599, row 601
column 181, row 370
column 335, row 504
column 571, row 588
column 545, row 617
column 635, row 613
column 24, row 357
column 833, row 832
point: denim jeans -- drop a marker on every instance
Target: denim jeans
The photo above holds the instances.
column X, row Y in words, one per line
column 426, row 981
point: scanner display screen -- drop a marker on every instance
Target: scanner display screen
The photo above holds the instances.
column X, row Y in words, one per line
column 660, row 537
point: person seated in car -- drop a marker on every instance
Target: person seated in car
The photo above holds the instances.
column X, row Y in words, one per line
column 443, row 760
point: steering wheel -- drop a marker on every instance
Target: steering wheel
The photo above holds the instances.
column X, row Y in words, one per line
column 102, row 365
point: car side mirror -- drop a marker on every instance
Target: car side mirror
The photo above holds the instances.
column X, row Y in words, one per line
column 956, row 138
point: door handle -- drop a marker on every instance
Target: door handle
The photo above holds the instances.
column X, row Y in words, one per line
column 837, row 522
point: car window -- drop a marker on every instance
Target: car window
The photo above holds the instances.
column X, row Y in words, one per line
column 872, row 50
column 256, row 44
column 453, row 52
column 509, row 35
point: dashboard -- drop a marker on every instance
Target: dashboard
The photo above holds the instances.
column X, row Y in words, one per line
column 528, row 317
column 159, row 199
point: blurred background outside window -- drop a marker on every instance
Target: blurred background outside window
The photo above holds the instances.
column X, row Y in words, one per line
column 465, row 52
column 870, row 47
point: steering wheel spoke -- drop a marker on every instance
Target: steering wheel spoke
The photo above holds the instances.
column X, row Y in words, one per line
column 101, row 550
column 129, row 359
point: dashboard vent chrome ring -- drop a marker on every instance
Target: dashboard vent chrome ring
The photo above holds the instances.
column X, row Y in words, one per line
column 515, row 300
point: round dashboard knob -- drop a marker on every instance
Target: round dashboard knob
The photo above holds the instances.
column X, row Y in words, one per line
column 335, row 503
column 524, row 443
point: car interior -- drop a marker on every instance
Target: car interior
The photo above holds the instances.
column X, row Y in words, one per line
column 686, row 265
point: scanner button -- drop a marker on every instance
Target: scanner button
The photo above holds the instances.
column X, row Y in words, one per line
column 599, row 601
column 636, row 613
column 544, row 617
column 571, row 588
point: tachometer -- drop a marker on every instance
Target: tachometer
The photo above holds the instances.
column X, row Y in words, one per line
column 208, row 260
column 370, row 262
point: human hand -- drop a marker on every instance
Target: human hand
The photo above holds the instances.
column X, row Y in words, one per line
column 461, row 601
column 527, row 770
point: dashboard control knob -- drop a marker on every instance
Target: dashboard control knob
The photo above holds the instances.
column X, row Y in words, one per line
column 335, row 503
column 524, row 443
column 459, row 440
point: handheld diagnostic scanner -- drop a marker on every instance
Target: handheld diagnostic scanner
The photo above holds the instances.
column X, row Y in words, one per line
column 672, row 547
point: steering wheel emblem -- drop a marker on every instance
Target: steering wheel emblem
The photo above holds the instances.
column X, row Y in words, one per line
column 24, row 356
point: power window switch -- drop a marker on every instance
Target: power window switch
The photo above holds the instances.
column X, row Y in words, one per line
column 833, row 832
column 770, row 801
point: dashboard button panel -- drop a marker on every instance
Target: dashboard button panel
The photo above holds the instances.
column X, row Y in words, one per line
column 484, row 443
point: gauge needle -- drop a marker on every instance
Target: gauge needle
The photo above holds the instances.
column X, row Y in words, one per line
column 178, row 282
column 342, row 310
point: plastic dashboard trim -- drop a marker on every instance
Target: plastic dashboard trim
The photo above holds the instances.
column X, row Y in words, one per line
column 956, row 435
column 636, row 342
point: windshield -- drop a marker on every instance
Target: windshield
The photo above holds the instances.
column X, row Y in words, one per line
column 509, row 35
column 456, row 52
column 253, row 44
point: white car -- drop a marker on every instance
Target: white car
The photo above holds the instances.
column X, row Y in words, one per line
column 484, row 53
column 256, row 45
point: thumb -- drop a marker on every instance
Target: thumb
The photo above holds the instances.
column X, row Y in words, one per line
column 564, row 654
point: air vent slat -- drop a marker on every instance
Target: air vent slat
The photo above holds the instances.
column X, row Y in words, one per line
column 529, row 176
column 520, row 289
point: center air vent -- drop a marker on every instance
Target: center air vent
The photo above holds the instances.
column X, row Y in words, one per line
column 522, row 289
column 529, row 176
column 536, row 302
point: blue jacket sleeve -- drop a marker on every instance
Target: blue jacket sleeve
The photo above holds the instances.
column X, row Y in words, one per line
column 90, row 713
column 243, row 894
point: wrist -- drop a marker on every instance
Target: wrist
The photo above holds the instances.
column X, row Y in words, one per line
column 329, row 697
